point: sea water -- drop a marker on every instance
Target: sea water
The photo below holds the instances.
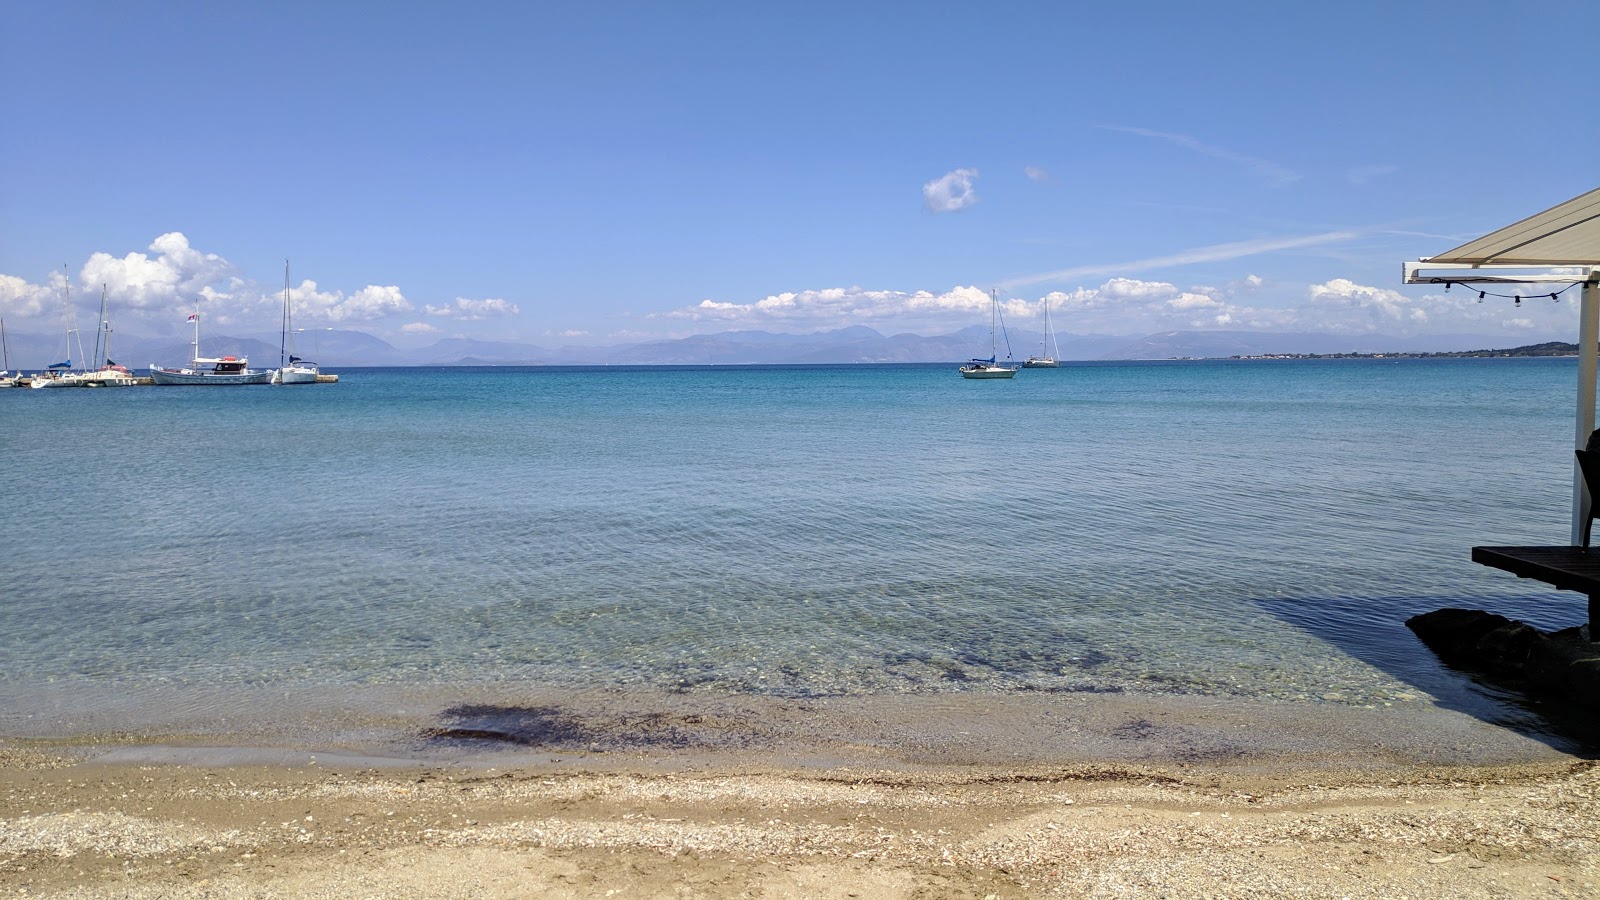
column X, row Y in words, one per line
column 1246, row 529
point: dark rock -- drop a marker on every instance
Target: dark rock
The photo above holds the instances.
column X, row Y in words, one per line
column 1455, row 633
column 1562, row 664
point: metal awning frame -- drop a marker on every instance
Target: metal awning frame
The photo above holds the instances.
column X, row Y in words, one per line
column 1425, row 272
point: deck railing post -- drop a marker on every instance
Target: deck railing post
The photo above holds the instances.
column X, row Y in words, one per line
column 1588, row 356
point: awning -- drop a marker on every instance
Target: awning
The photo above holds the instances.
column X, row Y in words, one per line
column 1564, row 235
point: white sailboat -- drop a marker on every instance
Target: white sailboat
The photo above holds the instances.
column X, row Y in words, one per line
column 62, row 374
column 991, row 368
column 291, row 369
column 209, row 370
column 7, row 377
column 1049, row 350
column 106, row 373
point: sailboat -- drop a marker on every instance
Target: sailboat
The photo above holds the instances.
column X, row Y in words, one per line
column 989, row 368
column 224, row 370
column 108, row 373
column 61, row 374
column 6, row 378
column 291, row 369
column 1046, row 359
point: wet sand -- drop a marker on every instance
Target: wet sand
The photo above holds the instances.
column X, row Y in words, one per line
column 1003, row 797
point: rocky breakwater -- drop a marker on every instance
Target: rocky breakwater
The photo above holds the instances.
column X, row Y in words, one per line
column 1564, row 664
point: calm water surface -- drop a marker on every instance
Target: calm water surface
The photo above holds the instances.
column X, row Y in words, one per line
column 1249, row 529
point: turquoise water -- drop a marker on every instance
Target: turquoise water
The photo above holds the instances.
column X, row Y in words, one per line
column 1252, row 529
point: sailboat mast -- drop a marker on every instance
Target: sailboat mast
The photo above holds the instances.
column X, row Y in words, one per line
column 1050, row 332
column 102, row 337
column 994, row 310
column 196, row 344
column 5, row 347
column 283, row 337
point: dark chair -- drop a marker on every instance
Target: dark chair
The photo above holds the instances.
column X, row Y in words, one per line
column 1589, row 464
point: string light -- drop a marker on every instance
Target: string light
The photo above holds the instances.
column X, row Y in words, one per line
column 1516, row 298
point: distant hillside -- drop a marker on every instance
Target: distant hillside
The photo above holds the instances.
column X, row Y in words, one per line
column 856, row 344
column 1550, row 348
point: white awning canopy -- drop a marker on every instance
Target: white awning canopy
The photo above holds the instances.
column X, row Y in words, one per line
column 1563, row 235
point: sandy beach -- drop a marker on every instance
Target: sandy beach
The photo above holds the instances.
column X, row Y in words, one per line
column 171, row 818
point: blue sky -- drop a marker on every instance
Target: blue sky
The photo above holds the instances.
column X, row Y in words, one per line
column 604, row 172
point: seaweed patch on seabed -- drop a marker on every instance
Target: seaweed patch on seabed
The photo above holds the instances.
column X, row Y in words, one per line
column 1174, row 743
column 556, row 728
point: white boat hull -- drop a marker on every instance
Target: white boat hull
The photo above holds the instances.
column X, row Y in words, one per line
column 182, row 376
column 1041, row 362
column 295, row 375
column 987, row 371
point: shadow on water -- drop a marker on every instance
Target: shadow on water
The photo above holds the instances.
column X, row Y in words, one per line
column 1373, row 631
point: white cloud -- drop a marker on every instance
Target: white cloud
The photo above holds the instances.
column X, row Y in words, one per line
column 1188, row 301
column 1130, row 306
column 473, row 310
column 418, row 328
column 1342, row 293
column 1212, row 253
column 368, row 304
column 159, row 288
column 173, row 277
column 1364, row 174
column 1134, row 289
column 951, row 192
column 1037, row 173
column 19, row 299
column 1273, row 173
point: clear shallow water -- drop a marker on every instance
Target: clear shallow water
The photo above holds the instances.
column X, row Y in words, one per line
column 1249, row 529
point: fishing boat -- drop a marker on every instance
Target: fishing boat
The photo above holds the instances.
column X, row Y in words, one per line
column 291, row 369
column 1049, row 351
column 210, row 370
column 991, row 368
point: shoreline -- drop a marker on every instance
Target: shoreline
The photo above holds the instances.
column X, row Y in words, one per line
column 329, row 827
column 514, row 792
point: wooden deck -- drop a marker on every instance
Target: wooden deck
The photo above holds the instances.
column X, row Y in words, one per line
column 1566, row 568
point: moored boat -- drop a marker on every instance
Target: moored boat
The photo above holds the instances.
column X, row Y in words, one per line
column 291, row 369
column 227, row 370
column 1045, row 359
column 990, row 368
column 205, row 370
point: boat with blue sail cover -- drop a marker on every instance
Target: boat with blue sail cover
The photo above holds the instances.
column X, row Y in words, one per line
column 991, row 367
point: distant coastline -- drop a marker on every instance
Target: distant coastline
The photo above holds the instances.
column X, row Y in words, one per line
column 1549, row 348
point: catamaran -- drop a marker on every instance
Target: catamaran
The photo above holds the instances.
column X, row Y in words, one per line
column 1046, row 359
column 210, row 370
column 291, row 369
column 990, row 368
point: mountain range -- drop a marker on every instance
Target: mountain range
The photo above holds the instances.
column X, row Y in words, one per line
column 856, row 344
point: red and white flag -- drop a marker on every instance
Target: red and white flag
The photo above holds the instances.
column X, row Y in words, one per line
column 192, row 317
